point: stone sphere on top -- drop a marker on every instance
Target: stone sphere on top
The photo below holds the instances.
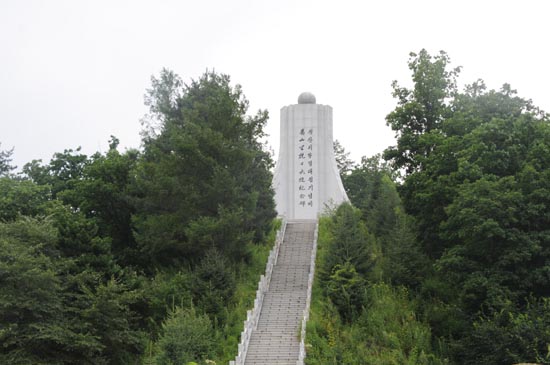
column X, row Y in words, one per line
column 306, row 98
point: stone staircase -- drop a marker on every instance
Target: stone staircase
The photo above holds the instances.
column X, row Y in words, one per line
column 275, row 341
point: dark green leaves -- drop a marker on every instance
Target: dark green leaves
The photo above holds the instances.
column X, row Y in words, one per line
column 477, row 187
column 204, row 180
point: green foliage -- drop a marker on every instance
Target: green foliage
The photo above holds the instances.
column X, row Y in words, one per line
column 346, row 290
column 61, row 307
column 78, row 240
column 61, row 173
column 31, row 300
column 343, row 161
column 110, row 319
column 420, row 110
column 384, row 329
column 187, row 336
column 97, row 252
column 103, row 194
column 477, row 188
column 21, row 197
column 214, row 284
column 371, row 189
column 510, row 337
column 202, row 167
column 99, row 188
column 39, row 322
column 351, row 243
column 5, row 162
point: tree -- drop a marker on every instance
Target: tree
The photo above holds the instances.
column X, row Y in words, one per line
column 214, row 285
column 5, row 162
column 202, row 164
column 476, row 186
column 421, row 110
column 63, row 171
column 55, row 308
column 495, row 225
column 187, row 336
column 108, row 315
column 37, row 325
column 22, row 197
column 371, row 188
column 351, row 242
column 344, row 163
column 346, row 290
column 104, row 195
column 511, row 337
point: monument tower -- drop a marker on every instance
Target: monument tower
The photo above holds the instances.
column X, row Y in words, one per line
column 306, row 177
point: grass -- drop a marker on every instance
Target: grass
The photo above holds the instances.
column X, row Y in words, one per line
column 248, row 277
column 386, row 332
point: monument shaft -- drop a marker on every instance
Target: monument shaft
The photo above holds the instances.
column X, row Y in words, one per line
column 306, row 178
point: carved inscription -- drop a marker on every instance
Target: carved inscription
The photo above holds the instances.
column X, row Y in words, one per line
column 305, row 181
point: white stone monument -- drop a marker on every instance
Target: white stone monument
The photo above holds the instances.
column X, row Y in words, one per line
column 306, row 178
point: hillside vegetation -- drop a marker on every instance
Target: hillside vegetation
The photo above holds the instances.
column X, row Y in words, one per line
column 149, row 256
column 152, row 256
column 446, row 257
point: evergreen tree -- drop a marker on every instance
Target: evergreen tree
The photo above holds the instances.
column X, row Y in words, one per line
column 5, row 162
column 202, row 166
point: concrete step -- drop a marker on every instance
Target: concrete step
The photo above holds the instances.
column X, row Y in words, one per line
column 275, row 340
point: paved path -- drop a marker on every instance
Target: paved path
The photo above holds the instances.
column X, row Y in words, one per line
column 276, row 340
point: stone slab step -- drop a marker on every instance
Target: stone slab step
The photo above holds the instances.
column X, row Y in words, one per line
column 275, row 340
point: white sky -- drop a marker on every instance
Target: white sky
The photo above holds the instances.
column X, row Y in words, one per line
column 72, row 73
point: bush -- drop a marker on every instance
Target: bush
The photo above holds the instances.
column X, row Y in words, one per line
column 346, row 290
column 214, row 285
column 187, row 336
column 350, row 242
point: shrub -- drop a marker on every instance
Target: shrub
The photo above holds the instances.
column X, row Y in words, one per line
column 187, row 336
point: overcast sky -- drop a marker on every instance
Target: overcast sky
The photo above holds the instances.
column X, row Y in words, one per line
column 72, row 73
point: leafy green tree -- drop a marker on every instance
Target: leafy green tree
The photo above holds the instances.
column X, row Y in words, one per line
column 55, row 309
column 63, row 171
column 476, row 188
column 77, row 239
column 421, row 110
column 22, row 197
column 99, row 188
column 104, row 195
column 511, row 337
column 495, row 222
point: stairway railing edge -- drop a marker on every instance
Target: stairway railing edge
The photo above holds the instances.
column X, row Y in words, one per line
column 253, row 315
column 311, row 278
